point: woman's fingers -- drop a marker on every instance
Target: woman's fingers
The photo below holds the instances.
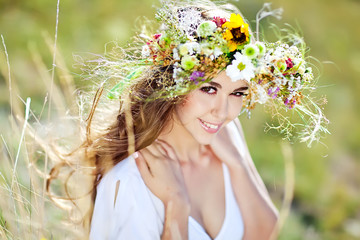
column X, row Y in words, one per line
column 158, row 155
column 168, row 149
column 151, row 158
column 143, row 166
column 153, row 150
column 161, row 172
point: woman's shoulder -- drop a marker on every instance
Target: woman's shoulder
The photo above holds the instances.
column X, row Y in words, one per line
column 123, row 203
column 121, row 181
column 123, row 170
column 124, row 183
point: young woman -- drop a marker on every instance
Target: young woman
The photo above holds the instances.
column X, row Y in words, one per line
column 174, row 164
column 196, row 180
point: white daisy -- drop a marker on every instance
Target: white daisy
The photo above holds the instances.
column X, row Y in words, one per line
column 251, row 51
column 217, row 52
column 241, row 68
column 189, row 48
column 261, row 47
column 176, row 54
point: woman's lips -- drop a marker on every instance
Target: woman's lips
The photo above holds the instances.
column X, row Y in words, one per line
column 210, row 127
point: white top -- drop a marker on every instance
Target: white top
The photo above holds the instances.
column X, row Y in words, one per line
column 134, row 212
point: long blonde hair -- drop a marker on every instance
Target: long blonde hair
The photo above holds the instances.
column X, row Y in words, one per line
column 141, row 116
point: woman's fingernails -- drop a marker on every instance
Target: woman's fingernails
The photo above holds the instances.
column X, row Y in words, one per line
column 136, row 154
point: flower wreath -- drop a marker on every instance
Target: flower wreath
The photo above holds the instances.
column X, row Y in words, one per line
column 197, row 48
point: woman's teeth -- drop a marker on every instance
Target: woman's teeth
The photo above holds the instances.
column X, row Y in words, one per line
column 209, row 125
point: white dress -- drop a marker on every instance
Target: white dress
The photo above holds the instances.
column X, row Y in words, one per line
column 134, row 212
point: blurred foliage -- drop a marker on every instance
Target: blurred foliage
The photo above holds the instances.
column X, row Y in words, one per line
column 327, row 197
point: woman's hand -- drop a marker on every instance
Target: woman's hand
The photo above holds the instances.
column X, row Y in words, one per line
column 161, row 171
column 226, row 148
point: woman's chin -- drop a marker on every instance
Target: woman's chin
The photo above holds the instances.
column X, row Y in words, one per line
column 205, row 140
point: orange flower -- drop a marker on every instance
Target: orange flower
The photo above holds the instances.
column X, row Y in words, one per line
column 237, row 32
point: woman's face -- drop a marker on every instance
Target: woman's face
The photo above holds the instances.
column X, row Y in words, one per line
column 209, row 108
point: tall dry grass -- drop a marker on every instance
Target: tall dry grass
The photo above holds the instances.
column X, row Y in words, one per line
column 27, row 209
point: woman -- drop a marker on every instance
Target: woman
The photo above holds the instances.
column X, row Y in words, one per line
column 175, row 165
column 185, row 168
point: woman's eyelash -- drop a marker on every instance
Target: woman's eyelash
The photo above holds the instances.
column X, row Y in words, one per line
column 209, row 90
column 213, row 90
column 239, row 94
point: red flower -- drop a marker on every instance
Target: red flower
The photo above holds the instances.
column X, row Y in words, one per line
column 157, row 36
column 219, row 21
column 289, row 63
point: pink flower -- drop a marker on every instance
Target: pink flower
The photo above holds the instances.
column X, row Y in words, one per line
column 289, row 63
column 219, row 21
column 157, row 36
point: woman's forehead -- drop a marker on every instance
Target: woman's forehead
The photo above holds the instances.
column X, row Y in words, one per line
column 225, row 81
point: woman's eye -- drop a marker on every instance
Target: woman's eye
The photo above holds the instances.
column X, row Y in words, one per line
column 208, row 90
column 239, row 94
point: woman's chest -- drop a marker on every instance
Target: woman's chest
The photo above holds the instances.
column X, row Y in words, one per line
column 206, row 190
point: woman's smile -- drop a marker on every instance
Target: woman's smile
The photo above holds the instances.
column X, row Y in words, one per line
column 210, row 127
column 210, row 107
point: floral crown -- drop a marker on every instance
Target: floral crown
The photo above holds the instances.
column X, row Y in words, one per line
column 197, row 45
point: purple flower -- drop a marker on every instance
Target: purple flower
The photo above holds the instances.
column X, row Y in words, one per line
column 275, row 94
column 292, row 104
column 197, row 76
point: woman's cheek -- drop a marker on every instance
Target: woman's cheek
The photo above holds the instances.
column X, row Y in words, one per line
column 202, row 100
column 236, row 106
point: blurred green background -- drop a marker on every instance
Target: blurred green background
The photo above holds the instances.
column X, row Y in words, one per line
column 326, row 201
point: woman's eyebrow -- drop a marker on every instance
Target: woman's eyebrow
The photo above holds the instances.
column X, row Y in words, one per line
column 215, row 84
column 241, row 89
column 218, row 85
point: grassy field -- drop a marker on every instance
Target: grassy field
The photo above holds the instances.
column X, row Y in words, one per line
column 38, row 86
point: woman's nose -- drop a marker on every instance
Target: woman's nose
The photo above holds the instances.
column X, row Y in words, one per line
column 220, row 108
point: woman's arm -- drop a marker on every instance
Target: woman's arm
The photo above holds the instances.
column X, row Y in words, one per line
column 176, row 220
column 257, row 209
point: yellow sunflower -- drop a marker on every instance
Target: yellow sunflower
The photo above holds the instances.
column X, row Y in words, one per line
column 237, row 32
